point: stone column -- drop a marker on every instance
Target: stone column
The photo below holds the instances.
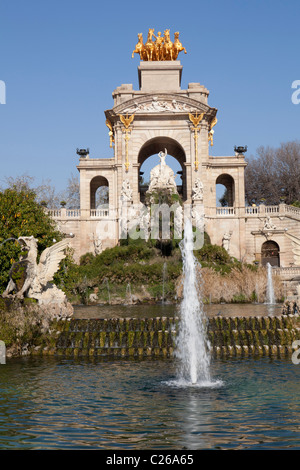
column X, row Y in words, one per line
column 203, row 142
column 85, row 201
column 188, row 179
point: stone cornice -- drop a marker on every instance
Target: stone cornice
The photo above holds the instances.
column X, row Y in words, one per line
column 267, row 233
column 229, row 161
column 91, row 163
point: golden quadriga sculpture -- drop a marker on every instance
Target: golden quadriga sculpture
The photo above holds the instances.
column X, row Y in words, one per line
column 160, row 49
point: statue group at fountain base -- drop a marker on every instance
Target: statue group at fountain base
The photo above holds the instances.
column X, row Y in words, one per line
column 31, row 279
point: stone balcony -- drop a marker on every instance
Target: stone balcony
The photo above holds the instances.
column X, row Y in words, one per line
column 64, row 213
column 72, row 214
column 282, row 210
column 288, row 273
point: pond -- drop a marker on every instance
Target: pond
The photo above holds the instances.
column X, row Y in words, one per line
column 57, row 403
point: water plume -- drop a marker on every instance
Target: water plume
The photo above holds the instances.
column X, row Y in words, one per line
column 192, row 345
column 270, row 295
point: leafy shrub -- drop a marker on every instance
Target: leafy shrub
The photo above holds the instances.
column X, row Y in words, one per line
column 21, row 215
column 213, row 254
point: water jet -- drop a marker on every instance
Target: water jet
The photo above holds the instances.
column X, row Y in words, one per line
column 128, row 297
column 192, row 344
column 164, row 276
column 270, row 296
column 105, row 281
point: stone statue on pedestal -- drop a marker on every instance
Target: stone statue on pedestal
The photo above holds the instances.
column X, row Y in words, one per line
column 197, row 194
column 97, row 243
column 268, row 224
column 226, row 240
column 162, row 176
column 126, row 191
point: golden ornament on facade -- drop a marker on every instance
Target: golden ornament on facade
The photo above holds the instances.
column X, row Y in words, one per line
column 111, row 133
column 211, row 131
column 162, row 48
column 126, row 121
column 196, row 119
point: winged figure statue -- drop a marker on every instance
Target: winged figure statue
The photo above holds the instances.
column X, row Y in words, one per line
column 35, row 276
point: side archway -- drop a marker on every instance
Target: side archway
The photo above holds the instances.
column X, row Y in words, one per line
column 270, row 253
column 228, row 196
column 99, row 192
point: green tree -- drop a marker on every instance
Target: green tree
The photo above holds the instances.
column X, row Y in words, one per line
column 21, row 215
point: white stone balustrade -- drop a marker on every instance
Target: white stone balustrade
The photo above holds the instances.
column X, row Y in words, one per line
column 248, row 211
column 223, row 211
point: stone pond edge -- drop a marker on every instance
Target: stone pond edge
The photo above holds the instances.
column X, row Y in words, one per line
column 274, row 336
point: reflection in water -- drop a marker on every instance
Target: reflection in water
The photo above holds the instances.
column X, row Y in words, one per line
column 195, row 421
column 48, row 403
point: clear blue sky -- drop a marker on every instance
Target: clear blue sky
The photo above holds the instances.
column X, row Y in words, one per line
column 61, row 60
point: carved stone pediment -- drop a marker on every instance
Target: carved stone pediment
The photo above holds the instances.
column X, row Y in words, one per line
column 161, row 103
column 268, row 234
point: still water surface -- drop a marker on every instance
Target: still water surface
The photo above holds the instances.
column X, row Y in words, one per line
column 49, row 403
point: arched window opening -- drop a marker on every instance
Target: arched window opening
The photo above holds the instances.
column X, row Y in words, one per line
column 225, row 194
column 270, row 253
column 99, row 190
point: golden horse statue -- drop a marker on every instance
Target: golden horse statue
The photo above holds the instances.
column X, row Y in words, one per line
column 150, row 45
column 177, row 46
column 167, row 46
column 139, row 48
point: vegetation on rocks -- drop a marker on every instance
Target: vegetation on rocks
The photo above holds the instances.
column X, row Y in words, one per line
column 138, row 265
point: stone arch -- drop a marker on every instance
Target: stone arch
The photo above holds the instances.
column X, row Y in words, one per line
column 270, row 253
column 228, row 182
column 96, row 183
column 156, row 144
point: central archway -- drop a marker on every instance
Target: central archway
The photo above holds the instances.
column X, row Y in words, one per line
column 175, row 150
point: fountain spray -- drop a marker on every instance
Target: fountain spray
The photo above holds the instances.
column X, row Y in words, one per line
column 270, row 289
column 192, row 345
